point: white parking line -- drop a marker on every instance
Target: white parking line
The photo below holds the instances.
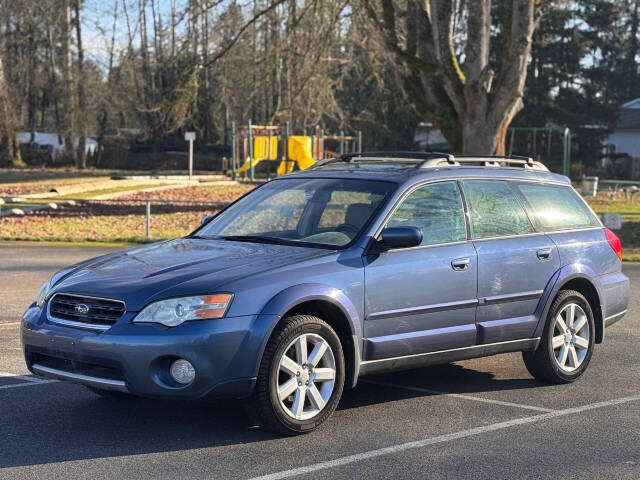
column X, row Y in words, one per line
column 459, row 395
column 26, row 380
column 442, row 439
column 26, row 384
column 11, row 324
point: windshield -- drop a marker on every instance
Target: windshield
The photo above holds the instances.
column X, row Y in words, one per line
column 314, row 211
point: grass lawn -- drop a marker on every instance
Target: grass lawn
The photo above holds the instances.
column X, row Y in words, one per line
column 42, row 186
column 51, row 175
column 195, row 193
column 630, row 232
column 107, row 191
column 121, row 221
column 16, row 182
column 67, row 174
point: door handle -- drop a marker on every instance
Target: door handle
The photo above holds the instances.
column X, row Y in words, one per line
column 544, row 254
column 460, row 264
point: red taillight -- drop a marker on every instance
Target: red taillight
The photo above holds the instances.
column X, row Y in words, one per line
column 614, row 242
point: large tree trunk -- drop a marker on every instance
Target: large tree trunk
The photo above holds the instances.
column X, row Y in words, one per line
column 470, row 103
column 9, row 143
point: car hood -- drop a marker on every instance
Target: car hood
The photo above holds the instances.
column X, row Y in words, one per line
column 178, row 267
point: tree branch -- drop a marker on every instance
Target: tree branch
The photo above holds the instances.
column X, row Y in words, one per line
column 235, row 39
column 476, row 52
column 441, row 13
column 511, row 79
column 442, row 22
column 388, row 29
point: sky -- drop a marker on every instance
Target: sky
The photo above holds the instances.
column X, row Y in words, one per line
column 97, row 22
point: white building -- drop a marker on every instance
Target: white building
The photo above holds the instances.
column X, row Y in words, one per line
column 51, row 142
column 626, row 134
column 427, row 138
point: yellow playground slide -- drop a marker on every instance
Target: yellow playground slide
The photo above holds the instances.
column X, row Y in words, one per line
column 299, row 152
column 264, row 148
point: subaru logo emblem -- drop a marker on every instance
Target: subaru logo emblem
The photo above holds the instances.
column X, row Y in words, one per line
column 82, row 309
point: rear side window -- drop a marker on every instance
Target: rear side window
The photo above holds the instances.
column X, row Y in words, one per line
column 436, row 209
column 494, row 209
column 557, row 207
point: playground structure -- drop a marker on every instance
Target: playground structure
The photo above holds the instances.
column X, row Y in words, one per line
column 550, row 144
column 274, row 147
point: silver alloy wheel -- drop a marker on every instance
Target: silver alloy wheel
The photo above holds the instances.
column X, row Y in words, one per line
column 570, row 339
column 306, row 380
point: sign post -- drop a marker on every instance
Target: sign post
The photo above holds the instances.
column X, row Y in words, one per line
column 612, row 220
column 190, row 137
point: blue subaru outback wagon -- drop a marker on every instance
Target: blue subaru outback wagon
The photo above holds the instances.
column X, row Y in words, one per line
column 363, row 264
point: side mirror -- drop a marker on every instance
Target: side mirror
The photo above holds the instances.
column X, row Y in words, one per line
column 401, row 237
column 205, row 219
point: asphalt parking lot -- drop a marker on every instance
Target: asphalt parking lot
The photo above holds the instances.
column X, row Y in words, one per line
column 484, row 418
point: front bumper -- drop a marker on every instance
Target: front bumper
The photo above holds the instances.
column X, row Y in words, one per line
column 135, row 358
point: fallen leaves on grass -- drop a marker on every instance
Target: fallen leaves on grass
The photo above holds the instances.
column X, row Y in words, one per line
column 104, row 222
column 199, row 193
column 43, row 186
column 122, row 220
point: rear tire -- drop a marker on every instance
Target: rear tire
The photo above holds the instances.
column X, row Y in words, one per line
column 301, row 377
column 566, row 344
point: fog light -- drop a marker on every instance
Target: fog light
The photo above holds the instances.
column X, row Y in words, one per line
column 182, row 371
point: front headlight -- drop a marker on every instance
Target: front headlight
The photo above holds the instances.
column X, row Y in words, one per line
column 43, row 293
column 175, row 311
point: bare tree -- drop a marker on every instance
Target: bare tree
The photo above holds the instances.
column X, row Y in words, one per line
column 9, row 144
column 202, row 64
column 81, row 110
column 69, row 89
column 472, row 102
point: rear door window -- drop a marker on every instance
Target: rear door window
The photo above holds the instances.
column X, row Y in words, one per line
column 557, row 207
column 494, row 209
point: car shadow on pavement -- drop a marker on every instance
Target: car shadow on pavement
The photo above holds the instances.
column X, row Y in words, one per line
column 435, row 380
column 59, row 422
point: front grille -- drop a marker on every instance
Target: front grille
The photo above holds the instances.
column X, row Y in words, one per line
column 83, row 311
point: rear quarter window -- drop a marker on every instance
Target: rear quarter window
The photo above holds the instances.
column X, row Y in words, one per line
column 557, row 207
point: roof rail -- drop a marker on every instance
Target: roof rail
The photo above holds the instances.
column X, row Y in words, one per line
column 394, row 155
column 437, row 159
column 385, row 156
column 487, row 161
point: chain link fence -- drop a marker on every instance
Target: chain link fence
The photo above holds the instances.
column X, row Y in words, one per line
column 53, row 219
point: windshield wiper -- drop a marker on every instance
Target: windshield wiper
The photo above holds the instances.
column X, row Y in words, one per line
column 255, row 238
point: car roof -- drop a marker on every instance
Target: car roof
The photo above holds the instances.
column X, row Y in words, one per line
column 408, row 168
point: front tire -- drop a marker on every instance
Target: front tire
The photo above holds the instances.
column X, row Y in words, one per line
column 566, row 345
column 301, row 377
